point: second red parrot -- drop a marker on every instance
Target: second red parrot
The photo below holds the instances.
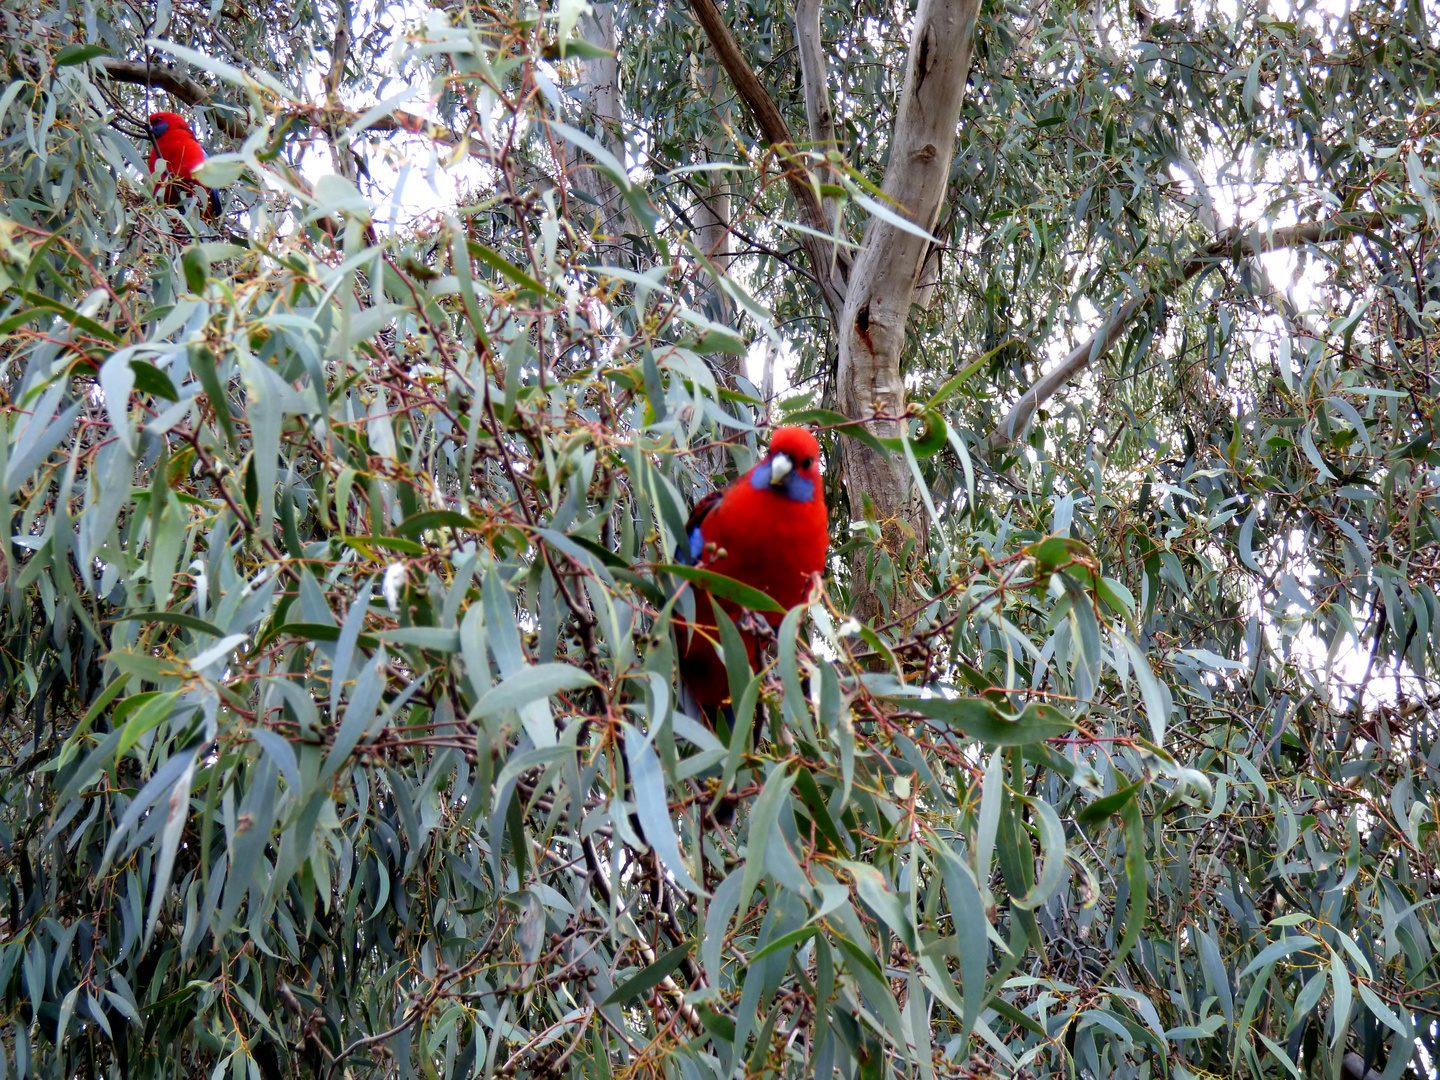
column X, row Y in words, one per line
column 176, row 145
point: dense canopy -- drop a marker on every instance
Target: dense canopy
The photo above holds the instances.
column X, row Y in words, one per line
column 341, row 733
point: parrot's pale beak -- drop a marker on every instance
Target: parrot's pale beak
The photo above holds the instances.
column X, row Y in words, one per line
column 780, row 467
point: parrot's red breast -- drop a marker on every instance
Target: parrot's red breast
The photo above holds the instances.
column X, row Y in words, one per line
column 769, row 530
column 175, row 143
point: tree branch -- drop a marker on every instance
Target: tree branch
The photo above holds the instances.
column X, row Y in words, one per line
column 814, row 74
column 340, row 152
column 1203, row 205
column 195, row 94
column 173, row 83
column 777, row 133
column 1352, row 1067
column 1232, row 246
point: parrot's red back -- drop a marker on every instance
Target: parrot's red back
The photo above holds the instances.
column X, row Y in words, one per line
column 176, row 143
column 770, row 530
column 183, row 154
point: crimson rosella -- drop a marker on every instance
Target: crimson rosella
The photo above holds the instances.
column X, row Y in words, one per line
column 769, row 529
column 175, row 143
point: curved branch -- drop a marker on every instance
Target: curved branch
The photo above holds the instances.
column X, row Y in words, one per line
column 173, row 83
column 1203, row 205
column 1231, row 246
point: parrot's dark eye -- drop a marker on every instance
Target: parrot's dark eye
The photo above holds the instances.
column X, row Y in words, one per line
column 807, row 463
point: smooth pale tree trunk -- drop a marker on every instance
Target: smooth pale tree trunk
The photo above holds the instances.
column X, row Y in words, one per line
column 885, row 275
column 871, row 299
column 818, row 112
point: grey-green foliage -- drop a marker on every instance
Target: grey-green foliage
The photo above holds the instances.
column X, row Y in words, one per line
column 340, row 726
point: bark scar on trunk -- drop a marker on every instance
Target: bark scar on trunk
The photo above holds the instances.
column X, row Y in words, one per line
column 862, row 327
column 922, row 61
column 926, row 152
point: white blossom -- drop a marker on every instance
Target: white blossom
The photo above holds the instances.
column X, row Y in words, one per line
column 394, row 582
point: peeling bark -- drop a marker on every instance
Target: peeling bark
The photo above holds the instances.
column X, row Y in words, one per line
column 885, row 275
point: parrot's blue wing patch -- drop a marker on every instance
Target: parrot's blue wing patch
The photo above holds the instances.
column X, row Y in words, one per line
column 693, row 546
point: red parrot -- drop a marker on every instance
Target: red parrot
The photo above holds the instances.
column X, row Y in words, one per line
column 770, row 530
column 175, row 142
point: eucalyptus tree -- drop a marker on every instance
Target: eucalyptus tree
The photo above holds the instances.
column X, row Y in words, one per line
column 340, row 728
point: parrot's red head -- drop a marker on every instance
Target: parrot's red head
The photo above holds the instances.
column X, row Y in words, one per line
column 161, row 122
column 791, row 466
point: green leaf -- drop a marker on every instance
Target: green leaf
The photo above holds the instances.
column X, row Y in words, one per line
column 433, row 638
column 648, row 783
column 151, row 380
column 650, row 977
column 531, row 684
column 363, row 544
column 1060, row 551
column 79, row 54
column 764, row 820
column 206, row 369
column 726, row 588
column 872, row 983
column 889, row 216
column 809, row 793
column 1052, row 855
column 968, row 919
column 602, row 156
column 784, row 941
column 497, row 262
column 1278, row 950
column 1136, row 879
column 827, row 418
column 1157, row 701
column 174, row 618
column 982, row 719
column 223, row 71
column 1108, row 805
column 69, row 315
column 434, row 519
column 875, row 891
column 177, row 810
column 1340, row 984
column 146, row 718
column 1396, row 1022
